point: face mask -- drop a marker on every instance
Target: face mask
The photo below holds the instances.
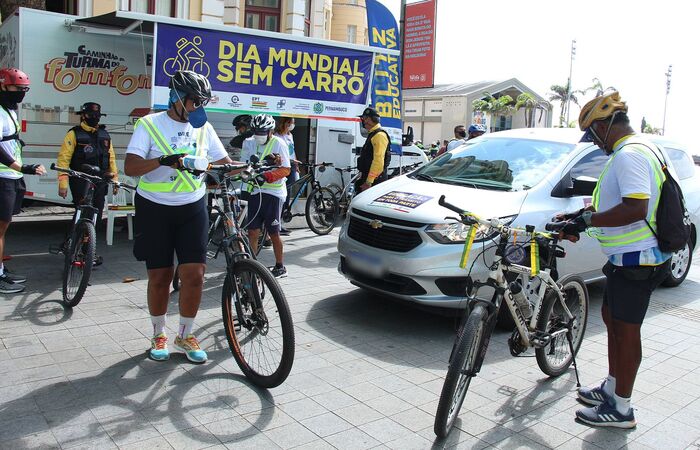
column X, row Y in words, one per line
column 462, row 134
column 92, row 121
column 291, row 127
column 10, row 99
column 197, row 118
column 260, row 140
column 247, row 133
column 363, row 132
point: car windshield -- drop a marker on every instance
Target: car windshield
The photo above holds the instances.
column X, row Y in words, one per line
column 496, row 163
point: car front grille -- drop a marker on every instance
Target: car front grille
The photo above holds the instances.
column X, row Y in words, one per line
column 390, row 282
column 383, row 236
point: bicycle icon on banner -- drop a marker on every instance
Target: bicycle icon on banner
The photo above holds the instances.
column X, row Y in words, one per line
column 189, row 57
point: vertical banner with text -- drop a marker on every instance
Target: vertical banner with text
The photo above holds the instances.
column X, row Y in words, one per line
column 386, row 84
column 419, row 45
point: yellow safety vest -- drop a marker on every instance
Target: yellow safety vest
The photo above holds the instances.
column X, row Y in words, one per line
column 267, row 150
column 184, row 182
column 18, row 147
column 641, row 231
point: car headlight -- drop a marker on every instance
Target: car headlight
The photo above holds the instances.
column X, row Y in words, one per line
column 456, row 232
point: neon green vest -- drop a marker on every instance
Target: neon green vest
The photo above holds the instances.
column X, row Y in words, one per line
column 17, row 146
column 184, row 182
column 641, row 230
column 267, row 150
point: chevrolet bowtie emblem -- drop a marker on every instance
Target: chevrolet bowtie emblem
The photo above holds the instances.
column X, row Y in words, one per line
column 374, row 223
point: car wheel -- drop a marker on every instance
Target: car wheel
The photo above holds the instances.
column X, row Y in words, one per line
column 680, row 266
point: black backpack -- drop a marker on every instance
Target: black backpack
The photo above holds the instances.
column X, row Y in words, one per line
column 672, row 218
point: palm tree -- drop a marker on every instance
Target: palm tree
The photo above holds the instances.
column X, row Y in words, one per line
column 7, row 7
column 598, row 87
column 561, row 94
column 494, row 106
column 528, row 101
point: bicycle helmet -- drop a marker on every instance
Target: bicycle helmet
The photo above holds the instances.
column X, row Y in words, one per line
column 600, row 108
column 186, row 82
column 263, row 122
column 242, row 121
column 13, row 77
column 477, row 128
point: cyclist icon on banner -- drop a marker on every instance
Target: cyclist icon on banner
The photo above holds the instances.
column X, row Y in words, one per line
column 189, row 57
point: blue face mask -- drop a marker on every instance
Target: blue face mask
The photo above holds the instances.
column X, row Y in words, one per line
column 198, row 117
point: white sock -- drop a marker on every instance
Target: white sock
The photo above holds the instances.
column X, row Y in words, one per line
column 609, row 385
column 186, row 325
column 623, row 404
column 158, row 324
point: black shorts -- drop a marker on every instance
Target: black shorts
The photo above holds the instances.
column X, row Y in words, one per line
column 11, row 195
column 265, row 209
column 628, row 289
column 161, row 230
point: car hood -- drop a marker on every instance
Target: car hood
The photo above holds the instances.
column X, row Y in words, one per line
column 416, row 200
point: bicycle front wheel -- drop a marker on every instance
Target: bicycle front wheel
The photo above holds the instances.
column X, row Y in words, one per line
column 321, row 211
column 258, row 323
column 78, row 263
column 555, row 358
column 463, row 364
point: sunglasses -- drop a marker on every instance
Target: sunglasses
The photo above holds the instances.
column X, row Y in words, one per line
column 199, row 102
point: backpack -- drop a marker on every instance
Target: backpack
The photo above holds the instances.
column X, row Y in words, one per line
column 672, row 218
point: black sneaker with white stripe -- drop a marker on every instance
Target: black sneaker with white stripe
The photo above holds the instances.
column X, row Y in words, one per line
column 593, row 396
column 606, row 415
column 13, row 277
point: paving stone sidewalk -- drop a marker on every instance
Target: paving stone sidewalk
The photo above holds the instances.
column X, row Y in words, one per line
column 367, row 373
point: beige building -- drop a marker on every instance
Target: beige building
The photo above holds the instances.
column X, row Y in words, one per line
column 339, row 20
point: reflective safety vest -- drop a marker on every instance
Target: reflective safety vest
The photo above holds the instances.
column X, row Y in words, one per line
column 15, row 141
column 184, row 181
column 267, row 150
column 640, row 229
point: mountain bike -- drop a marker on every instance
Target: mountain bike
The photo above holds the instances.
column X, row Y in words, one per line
column 344, row 192
column 79, row 247
column 549, row 315
column 256, row 316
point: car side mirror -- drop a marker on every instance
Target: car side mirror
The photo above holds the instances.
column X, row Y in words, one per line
column 572, row 187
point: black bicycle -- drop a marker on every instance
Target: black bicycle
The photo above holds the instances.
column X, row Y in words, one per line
column 344, row 192
column 321, row 205
column 79, row 247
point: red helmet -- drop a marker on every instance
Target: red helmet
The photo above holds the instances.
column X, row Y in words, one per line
column 13, row 77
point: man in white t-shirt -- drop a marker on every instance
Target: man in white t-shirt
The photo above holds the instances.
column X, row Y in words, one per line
column 459, row 139
column 624, row 202
column 14, row 84
column 267, row 197
column 171, row 211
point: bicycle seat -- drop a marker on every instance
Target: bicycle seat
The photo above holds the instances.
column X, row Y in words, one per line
column 90, row 170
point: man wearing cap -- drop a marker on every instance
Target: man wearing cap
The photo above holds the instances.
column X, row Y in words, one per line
column 87, row 143
column 375, row 155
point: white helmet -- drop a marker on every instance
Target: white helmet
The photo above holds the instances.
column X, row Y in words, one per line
column 263, row 122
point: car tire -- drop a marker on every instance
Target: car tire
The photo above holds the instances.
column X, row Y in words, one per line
column 680, row 266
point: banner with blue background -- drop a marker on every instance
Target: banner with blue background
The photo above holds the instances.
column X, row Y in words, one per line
column 386, row 83
column 256, row 74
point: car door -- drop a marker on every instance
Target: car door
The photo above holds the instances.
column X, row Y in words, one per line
column 583, row 257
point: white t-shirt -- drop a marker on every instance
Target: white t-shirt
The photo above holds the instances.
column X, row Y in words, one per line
column 289, row 140
column 250, row 147
column 8, row 126
column 182, row 138
column 629, row 174
column 454, row 143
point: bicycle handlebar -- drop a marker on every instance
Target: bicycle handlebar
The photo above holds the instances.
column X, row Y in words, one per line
column 88, row 177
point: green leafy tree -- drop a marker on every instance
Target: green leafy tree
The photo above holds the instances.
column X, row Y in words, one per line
column 529, row 103
column 494, row 106
column 560, row 94
column 649, row 129
column 598, row 87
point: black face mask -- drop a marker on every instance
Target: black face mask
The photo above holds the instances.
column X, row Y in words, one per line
column 92, row 121
column 462, row 134
column 247, row 133
column 10, row 99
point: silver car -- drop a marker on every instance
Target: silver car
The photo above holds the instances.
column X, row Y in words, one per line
column 396, row 239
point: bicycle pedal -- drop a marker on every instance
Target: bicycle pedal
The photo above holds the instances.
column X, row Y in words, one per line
column 211, row 255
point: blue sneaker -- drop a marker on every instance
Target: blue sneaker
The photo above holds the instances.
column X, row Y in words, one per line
column 190, row 345
column 159, row 348
column 593, row 396
column 606, row 415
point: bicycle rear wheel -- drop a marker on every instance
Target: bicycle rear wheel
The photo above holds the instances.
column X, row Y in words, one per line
column 78, row 263
column 258, row 323
column 463, row 363
column 321, row 211
column 555, row 358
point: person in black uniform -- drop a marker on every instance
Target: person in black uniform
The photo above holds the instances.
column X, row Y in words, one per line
column 376, row 153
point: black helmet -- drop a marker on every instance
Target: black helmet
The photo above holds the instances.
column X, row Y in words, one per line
column 242, row 121
column 191, row 83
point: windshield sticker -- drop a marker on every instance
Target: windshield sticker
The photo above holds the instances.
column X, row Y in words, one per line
column 401, row 201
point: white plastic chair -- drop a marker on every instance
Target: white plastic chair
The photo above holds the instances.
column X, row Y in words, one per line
column 120, row 205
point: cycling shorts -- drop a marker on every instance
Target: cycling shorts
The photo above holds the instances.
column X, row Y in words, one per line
column 11, row 196
column 161, row 231
column 628, row 289
column 264, row 209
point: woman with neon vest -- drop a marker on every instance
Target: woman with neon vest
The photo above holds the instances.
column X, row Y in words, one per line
column 171, row 214
column 623, row 211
